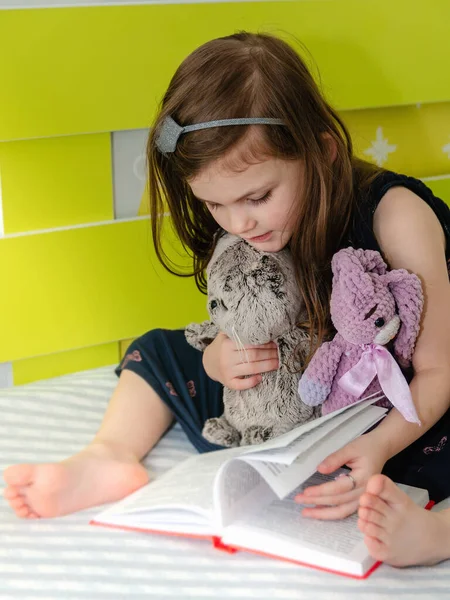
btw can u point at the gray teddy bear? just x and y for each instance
(253, 298)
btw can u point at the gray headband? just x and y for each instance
(170, 131)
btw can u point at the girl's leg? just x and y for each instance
(398, 531)
(107, 469)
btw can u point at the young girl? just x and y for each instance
(281, 173)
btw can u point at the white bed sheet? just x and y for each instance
(66, 558)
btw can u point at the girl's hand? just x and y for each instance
(340, 498)
(225, 363)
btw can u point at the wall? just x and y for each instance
(80, 85)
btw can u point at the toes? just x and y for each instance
(17, 503)
(11, 492)
(372, 530)
(19, 475)
(371, 516)
(374, 504)
(385, 488)
(375, 547)
(23, 512)
(366, 499)
(376, 484)
(19, 506)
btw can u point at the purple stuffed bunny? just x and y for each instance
(370, 306)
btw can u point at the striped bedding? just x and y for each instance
(68, 559)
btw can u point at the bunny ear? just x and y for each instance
(352, 286)
(407, 291)
(369, 261)
(352, 271)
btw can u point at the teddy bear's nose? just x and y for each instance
(379, 322)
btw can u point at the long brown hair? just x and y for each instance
(257, 75)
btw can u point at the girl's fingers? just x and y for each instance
(253, 368)
(340, 485)
(243, 384)
(242, 356)
(331, 500)
(268, 346)
(331, 513)
(337, 459)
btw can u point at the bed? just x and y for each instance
(68, 559)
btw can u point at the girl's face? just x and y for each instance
(258, 203)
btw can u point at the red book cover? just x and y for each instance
(231, 549)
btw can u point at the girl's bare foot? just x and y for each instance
(398, 531)
(98, 474)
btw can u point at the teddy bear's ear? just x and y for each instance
(407, 291)
(265, 271)
(200, 335)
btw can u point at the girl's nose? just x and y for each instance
(241, 222)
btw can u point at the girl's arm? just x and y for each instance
(410, 237)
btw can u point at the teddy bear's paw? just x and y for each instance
(256, 434)
(219, 431)
(312, 392)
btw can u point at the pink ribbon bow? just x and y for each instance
(376, 360)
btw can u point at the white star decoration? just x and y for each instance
(446, 149)
(139, 167)
(380, 148)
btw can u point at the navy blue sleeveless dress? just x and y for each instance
(175, 370)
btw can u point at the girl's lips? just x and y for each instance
(260, 238)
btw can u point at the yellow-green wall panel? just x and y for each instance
(411, 139)
(144, 207)
(123, 345)
(87, 69)
(440, 187)
(55, 182)
(72, 361)
(417, 137)
(82, 287)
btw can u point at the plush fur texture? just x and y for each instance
(369, 305)
(253, 298)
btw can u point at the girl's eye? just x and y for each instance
(261, 200)
(254, 201)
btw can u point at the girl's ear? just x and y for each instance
(332, 146)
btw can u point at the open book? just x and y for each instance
(243, 498)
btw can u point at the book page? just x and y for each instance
(238, 488)
(239, 485)
(289, 453)
(284, 478)
(188, 485)
(284, 517)
(279, 529)
(282, 441)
